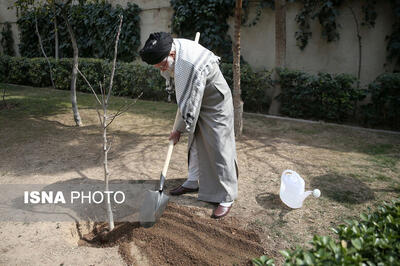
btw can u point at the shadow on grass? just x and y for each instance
(322, 136)
(271, 201)
(37, 145)
(343, 189)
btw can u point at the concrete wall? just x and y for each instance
(342, 56)
(156, 16)
(9, 15)
(258, 42)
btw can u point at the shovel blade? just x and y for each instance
(152, 208)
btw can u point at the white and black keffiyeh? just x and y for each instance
(191, 69)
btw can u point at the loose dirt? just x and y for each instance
(181, 237)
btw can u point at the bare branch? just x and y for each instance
(98, 113)
(110, 142)
(123, 109)
(88, 83)
(115, 56)
(44, 53)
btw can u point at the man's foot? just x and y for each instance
(221, 211)
(182, 190)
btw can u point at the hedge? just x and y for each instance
(95, 25)
(384, 109)
(323, 96)
(130, 78)
(374, 240)
(327, 97)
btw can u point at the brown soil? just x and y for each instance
(181, 238)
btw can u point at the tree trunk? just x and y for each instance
(106, 172)
(4, 97)
(55, 34)
(237, 101)
(77, 117)
(359, 45)
(280, 52)
(44, 53)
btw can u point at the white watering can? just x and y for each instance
(292, 190)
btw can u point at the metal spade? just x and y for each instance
(155, 201)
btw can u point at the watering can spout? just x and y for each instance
(306, 194)
(316, 193)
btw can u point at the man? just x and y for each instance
(206, 113)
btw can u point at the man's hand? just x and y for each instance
(175, 136)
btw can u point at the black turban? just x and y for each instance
(157, 47)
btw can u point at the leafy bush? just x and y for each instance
(7, 41)
(208, 17)
(4, 63)
(375, 240)
(254, 86)
(130, 78)
(384, 109)
(324, 96)
(94, 25)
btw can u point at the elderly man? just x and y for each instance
(206, 113)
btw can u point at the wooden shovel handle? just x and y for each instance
(170, 148)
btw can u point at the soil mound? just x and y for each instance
(180, 238)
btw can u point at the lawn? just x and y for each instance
(354, 168)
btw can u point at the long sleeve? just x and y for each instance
(179, 123)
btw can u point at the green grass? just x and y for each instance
(378, 149)
(38, 102)
(383, 155)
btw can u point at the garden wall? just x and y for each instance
(258, 42)
(9, 15)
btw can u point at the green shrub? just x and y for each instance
(263, 261)
(374, 240)
(323, 97)
(7, 41)
(130, 78)
(4, 67)
(254, 86)
(208, 17)
(94, 24)
(18, 71)
(38, 73)
(384, 109)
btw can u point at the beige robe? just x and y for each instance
(215, 140)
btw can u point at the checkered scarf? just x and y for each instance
(191, 68)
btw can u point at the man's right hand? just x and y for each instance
(175, 136)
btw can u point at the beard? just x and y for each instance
(169, 73)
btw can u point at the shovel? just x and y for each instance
(155, 201)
